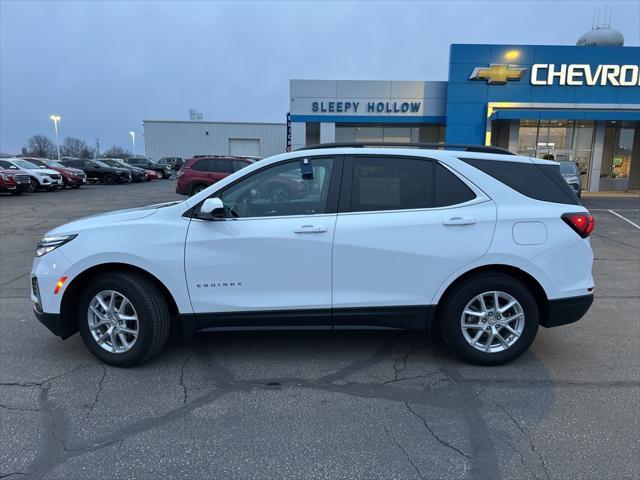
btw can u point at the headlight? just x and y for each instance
(48, 244)
(5, 177)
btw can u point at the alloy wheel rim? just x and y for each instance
(113, 321)
(492, 322)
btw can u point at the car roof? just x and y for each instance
(222, 157)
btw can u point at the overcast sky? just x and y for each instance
(106, 66)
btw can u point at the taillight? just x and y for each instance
(582, 223)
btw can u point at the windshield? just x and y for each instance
(112, 163)
(26, 164)
(567, 168)
(51, 163)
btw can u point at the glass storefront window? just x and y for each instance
(560, 139)
(345, 134)
(389, 133)
(618, 144)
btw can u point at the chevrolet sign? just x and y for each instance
(497, 73)
(583, 74)
(562, 74)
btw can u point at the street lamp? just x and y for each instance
(56, 119)
(133, 140)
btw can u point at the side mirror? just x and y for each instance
(211, 209)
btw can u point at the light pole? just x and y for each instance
(56, 119)
(133, 140)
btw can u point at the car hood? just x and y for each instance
(570, 178)
(108, 218)
(74, 171)
(48, 171)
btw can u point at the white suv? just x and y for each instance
(40, 177)
(486, 246)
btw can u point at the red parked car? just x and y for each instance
(200, 172)
(71, 177)
(12, 182)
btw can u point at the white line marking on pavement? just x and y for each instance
(618, 209)
(625, 219)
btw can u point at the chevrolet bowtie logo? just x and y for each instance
(497, 73)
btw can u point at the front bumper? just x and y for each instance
(53, 321)
(563, 311)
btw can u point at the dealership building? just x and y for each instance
(578, 103)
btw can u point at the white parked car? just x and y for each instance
(39, 177)
(487, 246)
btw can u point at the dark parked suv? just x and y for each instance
(147, 164)
(200, 172)
(137, 174)
(98, 171)
(175, 163)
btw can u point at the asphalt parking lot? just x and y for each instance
(318, 405)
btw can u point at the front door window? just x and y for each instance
(280, 190)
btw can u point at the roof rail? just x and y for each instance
(428, 146)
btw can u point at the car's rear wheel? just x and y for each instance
(490, 319)
(108, 179)
(123, 318)
(33, 185)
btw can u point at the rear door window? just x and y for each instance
(391, 183)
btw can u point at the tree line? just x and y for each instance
(43, 146)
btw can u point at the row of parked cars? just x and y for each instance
(30, 174)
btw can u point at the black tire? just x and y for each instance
(34, 186)
(151, 308)
(197, 188)
(163, 174)
(75, 186)
(108, 179)
(457, 300)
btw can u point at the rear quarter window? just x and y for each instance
(537, 181)
(449, 189)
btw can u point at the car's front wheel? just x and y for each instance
(490, 319)
(123, 318)
(33, 185)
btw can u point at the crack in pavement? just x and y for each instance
(185, 390)
(444, 443)
(404, 452)
(18, 409)
(527, 436)
(98, 392)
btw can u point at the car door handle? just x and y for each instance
(310, 229)
(456, 221)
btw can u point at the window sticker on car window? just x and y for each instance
(382, 191)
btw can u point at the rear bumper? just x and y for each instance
(566, 310)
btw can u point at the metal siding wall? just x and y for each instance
(185, 139)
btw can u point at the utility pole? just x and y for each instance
(97, 148)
